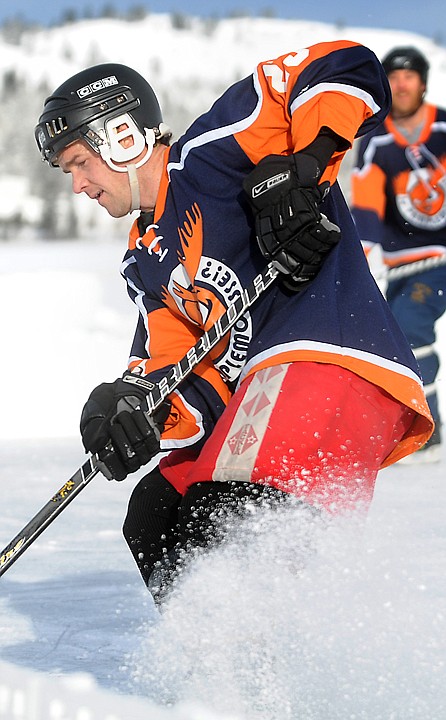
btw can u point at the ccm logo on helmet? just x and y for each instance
(97, 85)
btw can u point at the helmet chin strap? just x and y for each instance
(134, 187)
(130, 169)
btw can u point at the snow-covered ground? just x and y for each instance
(358, 634)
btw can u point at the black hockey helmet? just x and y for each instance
(406, 58)
(91, 106)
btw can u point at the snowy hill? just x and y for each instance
(201, 53)
(188, 66)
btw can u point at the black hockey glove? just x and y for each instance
(115, 426)
(291, 231)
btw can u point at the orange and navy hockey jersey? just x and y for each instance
(199, 251)
(399, 190)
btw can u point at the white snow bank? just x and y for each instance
(27, 695)
(66, 325)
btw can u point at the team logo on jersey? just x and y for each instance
(201, 288)
(151, 242)
(421, 193)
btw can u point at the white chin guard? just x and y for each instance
(114, 151)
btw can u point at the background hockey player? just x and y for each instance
(399, 202)
(316, 388)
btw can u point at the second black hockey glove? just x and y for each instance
(115, 426)
(284, 195)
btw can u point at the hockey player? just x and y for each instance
(316, 388)
(399, 203)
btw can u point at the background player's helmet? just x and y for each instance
(102, 105)
(406, 58)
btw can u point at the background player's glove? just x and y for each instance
(115, 425)
(291, 231)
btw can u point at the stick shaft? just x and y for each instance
(415, 267)
(47, 514)
(156, 396)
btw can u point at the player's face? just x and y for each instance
(407, 92)
(91, 175)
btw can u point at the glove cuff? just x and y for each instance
(307, 169)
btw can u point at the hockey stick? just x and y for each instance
(156, 395)
(415, 267)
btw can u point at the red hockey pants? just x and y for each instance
(314, 430)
